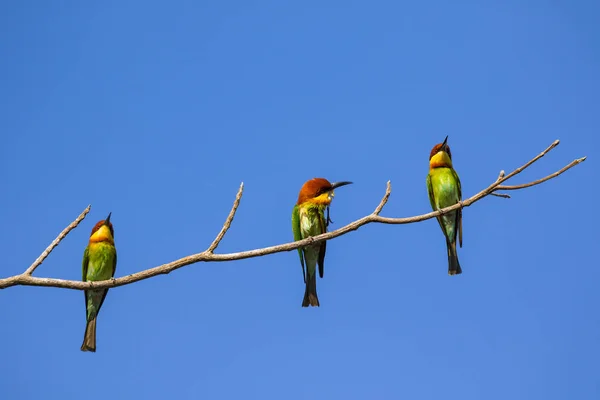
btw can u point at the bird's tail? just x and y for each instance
(453, 264)
(310, 293)
(89, 338)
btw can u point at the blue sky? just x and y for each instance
(158, 111)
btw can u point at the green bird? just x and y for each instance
(444, 190)
(99, 264)
(308, 219)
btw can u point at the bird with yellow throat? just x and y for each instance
(443, 187)
(99, 264)
(308, 219)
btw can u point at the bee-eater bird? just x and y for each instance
(99, 263)
(444, 190)
(308, 219)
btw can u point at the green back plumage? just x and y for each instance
(99, 263)
(444, 189)
(309, 220)
(298, 236)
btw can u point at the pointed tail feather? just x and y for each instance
(89, 338)
(310, 293)
(453, 264)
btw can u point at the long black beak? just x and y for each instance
(107, 220)
(336, 185)
(444, 143)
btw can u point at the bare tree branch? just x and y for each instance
(384, 200)
(228, 221)
(527, 164)
(56, 241)
(209, 256)
(544, 179)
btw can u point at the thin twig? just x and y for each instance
(228, 221)
(504, 196)
(527, 164)
(384, 200)
(544, 179)
(209, 256)
(56, 241)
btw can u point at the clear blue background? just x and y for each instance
(157, 112)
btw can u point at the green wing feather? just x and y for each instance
(114, 269)
(434, 206)
(459, 213)
(114, 264)
(430, 192)
(298, 236)
(84, 268)
(84, 265)
(323, 248)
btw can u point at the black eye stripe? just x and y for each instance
(323, 190)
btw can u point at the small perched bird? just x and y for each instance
(444, 190)
(99, 263)
(308, 219)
